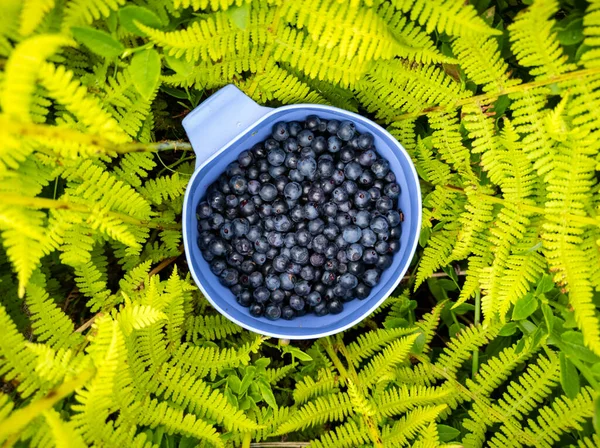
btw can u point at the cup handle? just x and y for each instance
(219, 119)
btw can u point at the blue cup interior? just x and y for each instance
(308, 326)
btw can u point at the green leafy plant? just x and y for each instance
(492, 339)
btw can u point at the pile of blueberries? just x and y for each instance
(304, 221)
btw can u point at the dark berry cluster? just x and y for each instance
(304, 221)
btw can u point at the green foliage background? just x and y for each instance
(492, 340)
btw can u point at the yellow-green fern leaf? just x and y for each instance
(535, 44)
(327, 382)
(453, 17)
(329, 408)
(591, 31)
(32, 14)
(369, 343)
(348, 435)
(209, 328)
(439, 247)
(398, 400)
(205, 4)
(64, 434)
(409, 426)
(82, 12)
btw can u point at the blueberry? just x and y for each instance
(247, 208)
(311, 211)
(384, 204)
(256, 279)
(272, 253)
(333, 126)
(291, 146)
(229, 277)
(233, 169)
(362, 199)
(356, 268)
(297, 213)
(305, 137)
(351, 187)
(287, 281)
(217, 266)
(277, 296)
(276, 157)
(331, 265)
(280, 263)
(307, 273)
(321, 309)
(308, 152)
(319, 144)
(216, 200)
(273, 312)
(393, 218)
(317, 260)
(244, 298)
(380, 168)
(280, 131)
(252, 172)
(341, 242)
(354, 252)
(340, 195)
(265, 210)
(352, 233)
(203, 210)
(390, 177)
(328, 278)
(353, 171)
(253, 187)
(370, 256)
(394, 246)
(313, 299)
(245, 158)
(334, 144)
(379, 224)
(335, 307)
(296, 303)
(365, 141)
(395, 232)
(362, 291)
(227, 231)
(371, 277)
(277, 171)
(302, 288)
(384, 262)
(287, 313)
(203, 225)
(270, 144)
(217, 247)
(366, 179)
(382, 247)
(303, 237)
(286, 252)
(392, 190)
(316, 194)
(346, 130)
(280, 207)
(256, 309)
(347, 154)
(319, 244)
(345, 206)
(316, 226)
(235, 260)
(240, 227)
(299, 254)
(268, 192)
(342, 256)
(207, 255)
(238, 184)
(367, 158)
(292, 190)
(330, 209)
(282, 223)
(374, 194)
(307, 166)
(362, 219)
(331, 231)
(259, 258)
(294, 128)
(338, 176)
(313, 122)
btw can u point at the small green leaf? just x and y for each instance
(572, 34)
(572, 345)
(99, 42)
(447, 433)
(595, 369)
(424, 236)
(145, 71)
(447, 285)
(508, 330)
(525, 307)
(240, 15)
(569, 377)
(296, 352)
(187, 442)
(179, 65)
(234, 383)
(262, 363)
(129, 14)
(246, 381)
(419, 344)
(436, 289)
(267, 394)
(544, 285)
(596, 419)
(463, 308)
(548, 317)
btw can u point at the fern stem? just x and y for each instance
(487, 97)
(246, 440)
(477, 318)
(586, 220)
(36, 202)
(20, 418)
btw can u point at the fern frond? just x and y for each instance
(447, 141)
(368, 343)
(398, 400)
(83, 12)
(32, 14)
(462, 345)
(481, 128)
(591, 31)
(452, 17)
(404, 131)
(201, 361)
(16, 362)
(53, 366)
(205, 4)
(22, 68)
(480, 58)
(563, 415)
(91, 279)
(433, 170)
(439, 247)
(329, 22)
(201, 399)
(442, 204)
(428, 324)
(589, 442)
(393, 87)
(535, 44)
(382, 363)
(164, 188)
(209, 328)
(275, 375)
(135, 317)
(61, 86)
(49, 323)
(407, 427)
(134, 166)
(348, 435)
(328, 408)
(327, 383)
(6, 406)
(64, 433)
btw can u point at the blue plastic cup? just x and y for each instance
(228, 123)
